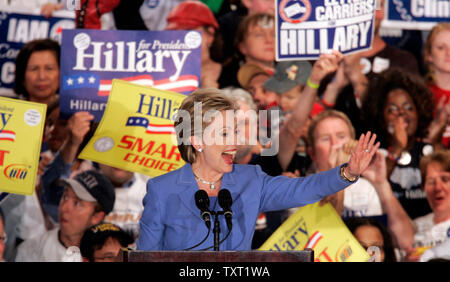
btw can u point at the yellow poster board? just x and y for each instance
(21, 129)
(319, 228)
(136, 132)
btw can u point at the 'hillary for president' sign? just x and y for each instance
(306, 29)
(91, 59)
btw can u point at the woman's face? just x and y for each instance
(399, 104)
(259, 45)
(329, 133)
(439, 55)
(219, 143)
(370, 236)
(41, 79)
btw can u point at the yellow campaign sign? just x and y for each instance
(136, 132)
(21, 129)
(320, 229)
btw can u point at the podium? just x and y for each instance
(306, 255)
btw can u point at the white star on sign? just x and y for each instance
(69, 81)
(80, 80)
(91, 79)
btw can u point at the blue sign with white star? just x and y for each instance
(81, 80)
(91, 59)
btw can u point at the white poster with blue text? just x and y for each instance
(416, 14)
(91, 59)
(19, 26)
(307, 28)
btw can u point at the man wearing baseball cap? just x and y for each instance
(86, 199)
(252, 77)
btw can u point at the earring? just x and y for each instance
(200, 150)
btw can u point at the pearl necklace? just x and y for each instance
(211, 184)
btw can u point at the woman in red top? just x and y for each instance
(437, 59)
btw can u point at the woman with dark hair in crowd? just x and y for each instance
(37, 71)
(372, 234)
(398, 107)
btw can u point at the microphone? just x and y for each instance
(225, 201)
(202, 202)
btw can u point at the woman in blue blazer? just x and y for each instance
(171, 219)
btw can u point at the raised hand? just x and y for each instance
(362, 155)
(79, 125)
(326, 64)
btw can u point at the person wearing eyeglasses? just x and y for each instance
(102, 242)
(398, 107)
(432, 236)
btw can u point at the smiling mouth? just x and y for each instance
(229, 156)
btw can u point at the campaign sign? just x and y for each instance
(16, 29)
(137, 130)
(21, 129)
(416, 14)
(318, 228)
(305, 29)
(91, 59)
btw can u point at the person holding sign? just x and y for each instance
(173, 208)
(352, 79)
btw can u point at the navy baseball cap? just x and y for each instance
(288, 74)
(92, 186)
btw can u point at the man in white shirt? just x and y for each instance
(86, 199)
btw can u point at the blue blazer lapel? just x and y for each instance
(189, 186)
(229, 182)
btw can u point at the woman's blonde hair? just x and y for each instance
(324, 115)
(211, 99)
(429, 44)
